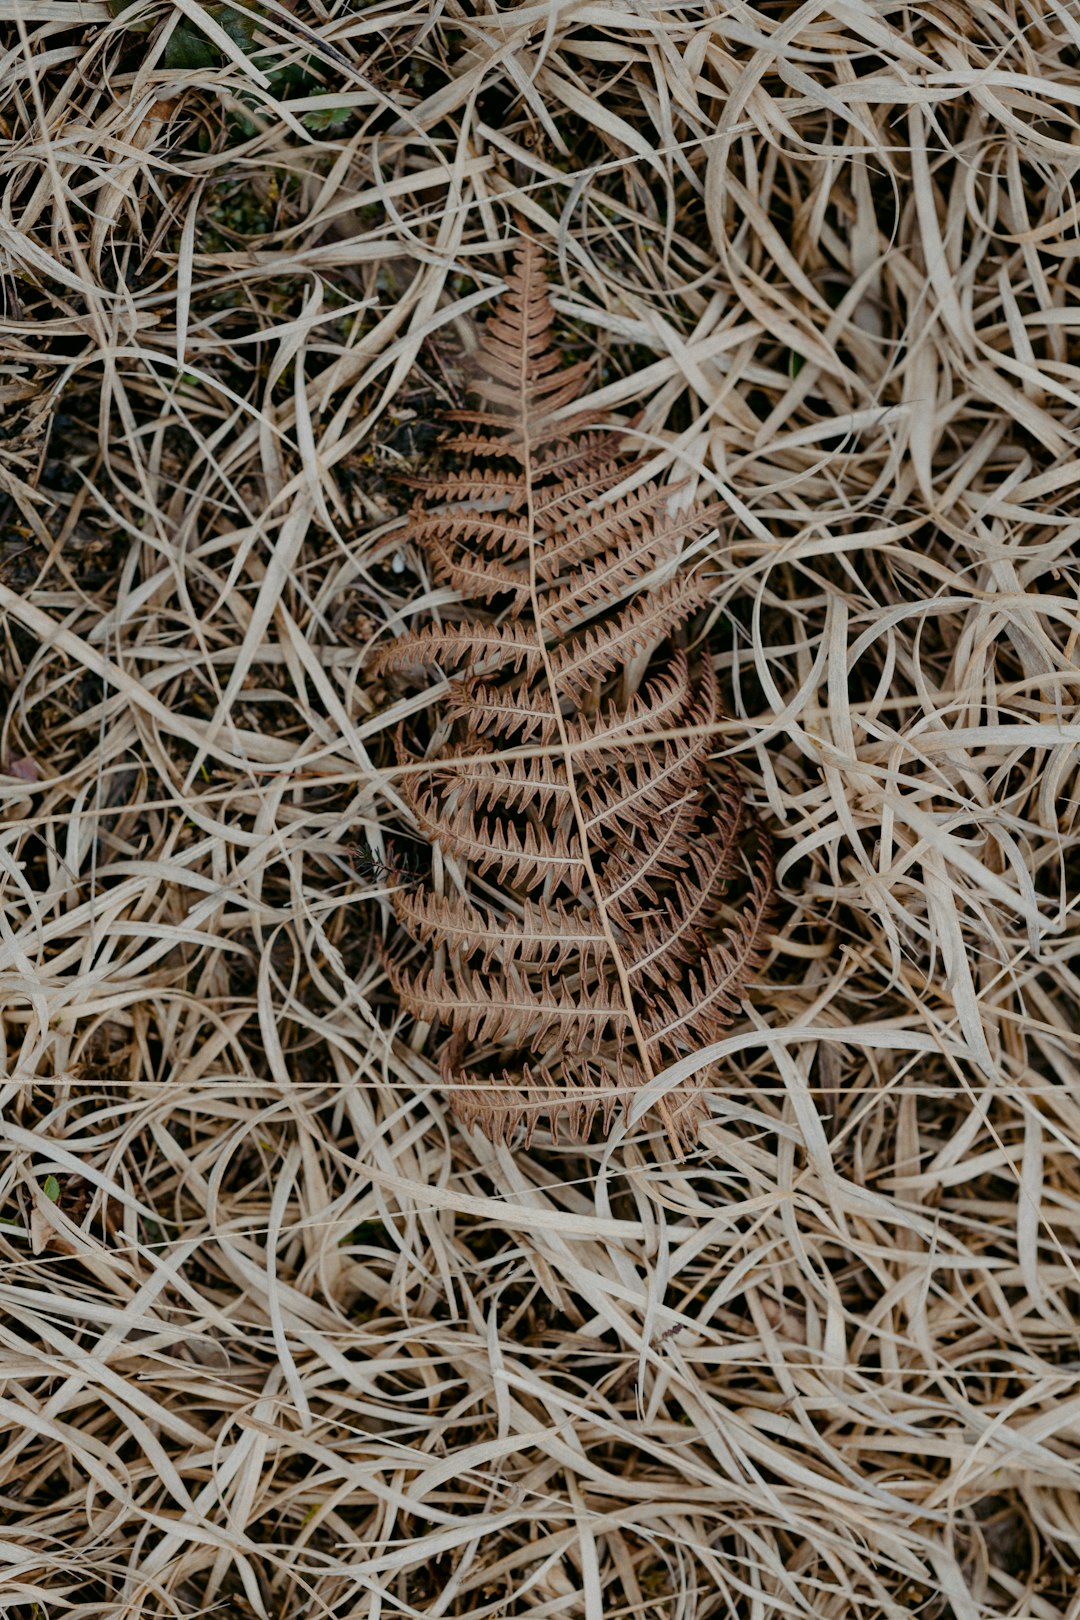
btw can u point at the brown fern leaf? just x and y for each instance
(602, 893)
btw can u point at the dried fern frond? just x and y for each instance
(585, 939)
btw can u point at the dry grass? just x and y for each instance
(279, 1340)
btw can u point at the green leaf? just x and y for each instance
(51, 1189)
(188, 47)
(240, 27)
(294, 75)
(327, 118)
(795, 363)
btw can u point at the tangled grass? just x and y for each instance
(278, 1339)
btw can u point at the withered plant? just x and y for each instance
(274, 1341)
(578, 936)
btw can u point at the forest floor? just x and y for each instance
(278, 1337)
